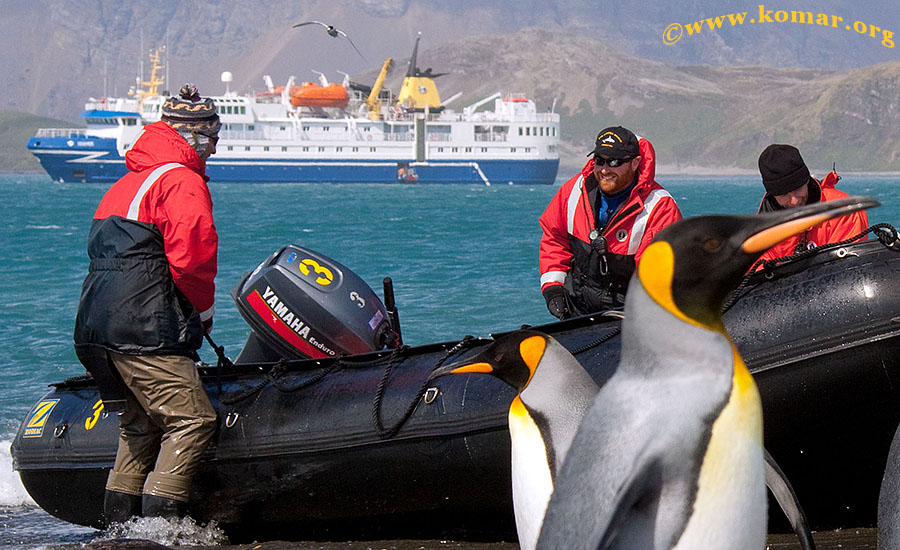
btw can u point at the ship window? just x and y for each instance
(372, 149)
(326, 128)
(230, 148)
(338, 149)
(484, 149)
(542, 130)
(243, 110)
(228, 110)
(321, 149)
(520, 131)
(306, 128)
(468, 149)
(534, 131)
(249, 126)
(528, 149)
(283, 128)
(266, 148)
(512, 149)
(527, 131)
(247, 148)
(455, 150)
(355, 149)
(306, 149)
(284, 149)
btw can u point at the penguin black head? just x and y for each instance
(692, 266)
(512, 358)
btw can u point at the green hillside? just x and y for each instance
(15, 129)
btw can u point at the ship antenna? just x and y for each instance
(412, 70)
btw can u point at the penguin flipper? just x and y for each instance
(634, 510)
(781, 488)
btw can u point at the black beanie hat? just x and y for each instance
(782, 169)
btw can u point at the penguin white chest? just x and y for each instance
(532, 483)
(730, 506)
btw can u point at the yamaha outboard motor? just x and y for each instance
(301, 304)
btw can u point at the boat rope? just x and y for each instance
(885, 232)
(605, 338)
(276, 376)
(387, 433)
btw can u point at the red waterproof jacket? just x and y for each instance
(830, 231)
(178, 204)
(569, 218)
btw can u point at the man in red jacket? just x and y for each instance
(598, 224)
(145, 304)
(788, 185)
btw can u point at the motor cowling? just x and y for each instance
(301, 304)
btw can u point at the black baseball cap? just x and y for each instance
(616, 142)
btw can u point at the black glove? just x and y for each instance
(555, 295)
(207, 326)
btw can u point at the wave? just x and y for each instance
(12, 492)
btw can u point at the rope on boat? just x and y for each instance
(275, 376)
(885, 232)
(605, 338)
(387, 433)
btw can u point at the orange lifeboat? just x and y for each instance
(310, 94)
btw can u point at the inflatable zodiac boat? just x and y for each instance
(327, 430)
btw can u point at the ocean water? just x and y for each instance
(463, 260)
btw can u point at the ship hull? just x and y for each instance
(96, 160)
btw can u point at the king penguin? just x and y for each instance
(889, 499)
(554, 392)
(670, 452)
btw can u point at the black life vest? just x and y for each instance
(129, 302)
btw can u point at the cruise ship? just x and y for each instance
(326, 132)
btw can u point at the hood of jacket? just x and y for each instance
(159, 144)
(646, 169)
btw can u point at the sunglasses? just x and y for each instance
(612, 163)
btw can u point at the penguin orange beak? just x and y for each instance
(778, 226)
(473, 367)
(461, 368)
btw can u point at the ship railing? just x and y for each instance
(435, 136)
(491, 137)
(61, 132)
(400, 136)
(242, 134)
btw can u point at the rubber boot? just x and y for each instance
(154, 506)
(120, 507)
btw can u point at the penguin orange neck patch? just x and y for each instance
(656, 271)
(532, 349)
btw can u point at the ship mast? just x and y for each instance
(156, 79)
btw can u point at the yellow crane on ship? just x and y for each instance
(156, 79)
(372, 103)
